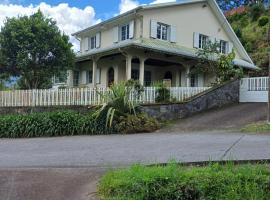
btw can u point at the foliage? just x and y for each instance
(263, 20)
(34, 49)
(117, 102)
(257, 128)
(136, 124)
(162, 93)
(230, 4)
(220, 65)
(255, 38)
(256, 11)
(175, 182)
(61, 123)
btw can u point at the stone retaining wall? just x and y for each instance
(216, 97)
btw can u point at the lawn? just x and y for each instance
(257, 128)
(174, 182)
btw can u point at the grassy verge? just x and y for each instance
(175, 182)
(257, 128)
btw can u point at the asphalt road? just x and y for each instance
(122, 150)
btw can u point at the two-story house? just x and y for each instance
(152, 43)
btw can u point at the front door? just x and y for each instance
(110, 76)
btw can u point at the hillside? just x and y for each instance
(253, 29)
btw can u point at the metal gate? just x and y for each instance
(254, 89)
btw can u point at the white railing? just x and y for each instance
(254, 89)
(84, 96)
(255, 84)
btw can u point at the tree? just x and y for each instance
(33, 49)
(211, 61)
(230, 4)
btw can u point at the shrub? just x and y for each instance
(256, 11)
(65, 123)
(186, 183)
(162, 93)
(136, 124)
(263, 20)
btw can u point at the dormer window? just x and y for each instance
(162, 31)
(124, 32)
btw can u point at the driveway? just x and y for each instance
(232, 117)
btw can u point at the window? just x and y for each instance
(202, 41)
(92, 44)
(76, 78)
(147, 78)
(125, 32)
(194, 80)
(89, 77)
(135, 74)
(162, 31)
(223, 47)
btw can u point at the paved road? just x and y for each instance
(226, 118)
(121, 150)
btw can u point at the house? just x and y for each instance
(153, 43)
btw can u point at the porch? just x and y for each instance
(148, 67)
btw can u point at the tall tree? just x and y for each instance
(34, 50)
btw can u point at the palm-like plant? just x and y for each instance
(117, 102)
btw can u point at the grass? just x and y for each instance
(172, 182)
(257, 128)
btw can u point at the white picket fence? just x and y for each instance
(254, 89)
(84, 96)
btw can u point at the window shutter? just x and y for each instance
(98, 40)
(115, 34)
(218, 44)
(229, 47)
(86, 43)
(153, 31)
(196, 38)
(98, 74)
(131, 29)
(173, 34)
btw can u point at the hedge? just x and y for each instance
(70, 123)
(187, 183)
(62, 123)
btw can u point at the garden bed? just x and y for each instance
(174, 182)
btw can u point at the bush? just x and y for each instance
(136, 124)
(64, 123)
(256, 11)
(162, 93)
(263, 20)
(186, 183)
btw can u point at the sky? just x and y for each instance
(71, 15)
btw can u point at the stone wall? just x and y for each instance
(222, 95)
(27, 110)
(216, 97)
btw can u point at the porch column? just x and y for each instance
(94, 78)
(188, 76)
(177, 77)
(128, 67)
(70, 78)
(83, 77)
(142, 60)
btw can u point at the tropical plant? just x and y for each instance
(118, 101)
(162, 93)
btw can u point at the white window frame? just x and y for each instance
(223, 47)
(203, 40)
(89, 76)
(124, 34)
(163, 31)
(92, 43)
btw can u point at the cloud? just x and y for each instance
(162, 1)
(69, 19)
(127, 5)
